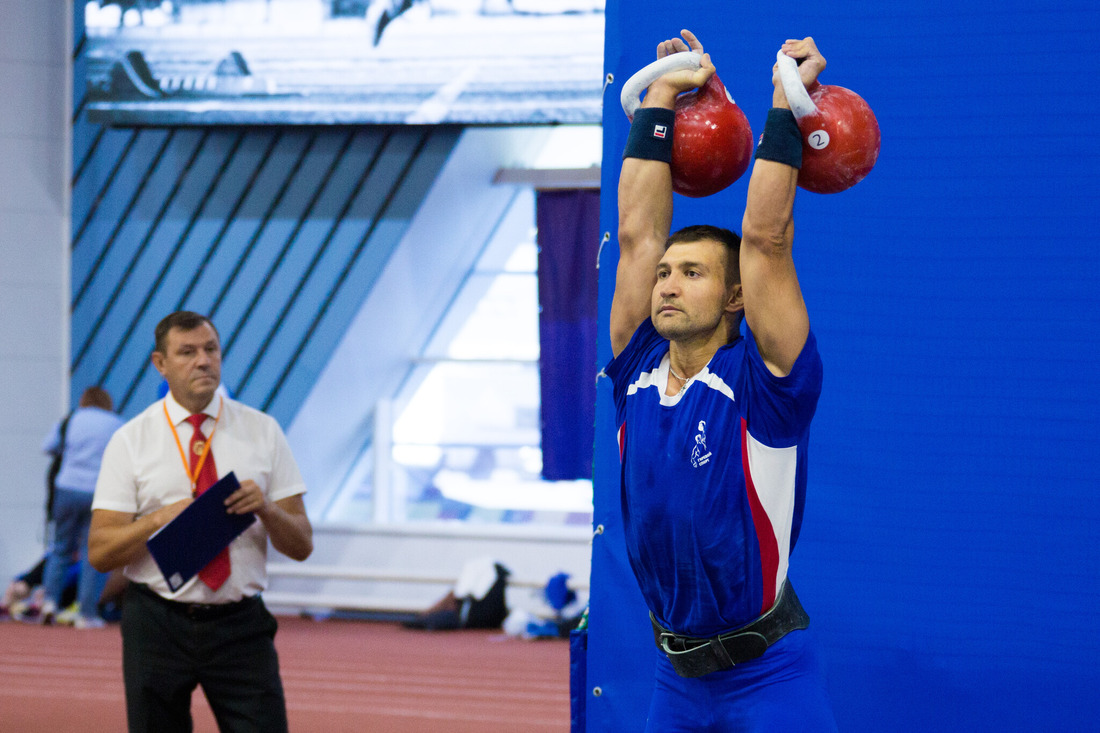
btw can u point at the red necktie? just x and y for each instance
(217, 571)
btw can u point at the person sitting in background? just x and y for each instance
(25, 594)
(89, 429)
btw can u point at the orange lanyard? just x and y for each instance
(205, 450)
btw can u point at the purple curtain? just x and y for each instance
(568, 239)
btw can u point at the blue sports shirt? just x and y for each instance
(713, 478)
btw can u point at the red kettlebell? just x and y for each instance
(712, 141)
(840, 135)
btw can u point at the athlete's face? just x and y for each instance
(691, 297)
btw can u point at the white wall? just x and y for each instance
(35, 49)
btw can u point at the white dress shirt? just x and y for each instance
(143, 471)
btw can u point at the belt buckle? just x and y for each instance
(664, 638)
(196, 610)
(673, 643)
(695, 657)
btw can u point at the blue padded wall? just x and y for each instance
(948, 556)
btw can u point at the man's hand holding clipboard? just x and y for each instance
(189, 542)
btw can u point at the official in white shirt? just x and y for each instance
(219, 637)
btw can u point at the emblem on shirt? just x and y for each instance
(700, 456)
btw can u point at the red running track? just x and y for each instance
(339, 676)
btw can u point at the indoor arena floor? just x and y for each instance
(338, 675)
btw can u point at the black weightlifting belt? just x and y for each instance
(695, 657)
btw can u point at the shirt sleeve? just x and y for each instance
(286, 478)
(778, 410)
(628, 363)
(116, 487)
(52, 444)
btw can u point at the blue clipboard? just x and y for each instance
(189, 542)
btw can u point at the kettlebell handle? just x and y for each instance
(797, 96)
(631, 96)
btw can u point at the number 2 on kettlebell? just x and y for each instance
(818, 139)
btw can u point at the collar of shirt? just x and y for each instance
(177, 413)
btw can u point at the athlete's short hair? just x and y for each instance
(729, 239)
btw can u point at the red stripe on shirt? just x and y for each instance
(765, 534)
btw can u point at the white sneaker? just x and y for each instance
(48, 613)
(69, 616)
(89, 622)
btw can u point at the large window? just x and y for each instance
(449, 406)
(461, 439)
(466, 442)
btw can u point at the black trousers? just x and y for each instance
(169, 648)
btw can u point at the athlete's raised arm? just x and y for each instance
(645, 192)
(774, 308)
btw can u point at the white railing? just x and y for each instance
(392, 569)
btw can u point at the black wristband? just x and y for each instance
(651, 134)
(782, 140)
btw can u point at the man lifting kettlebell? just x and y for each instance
(716, 378)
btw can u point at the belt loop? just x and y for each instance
(720, 651)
